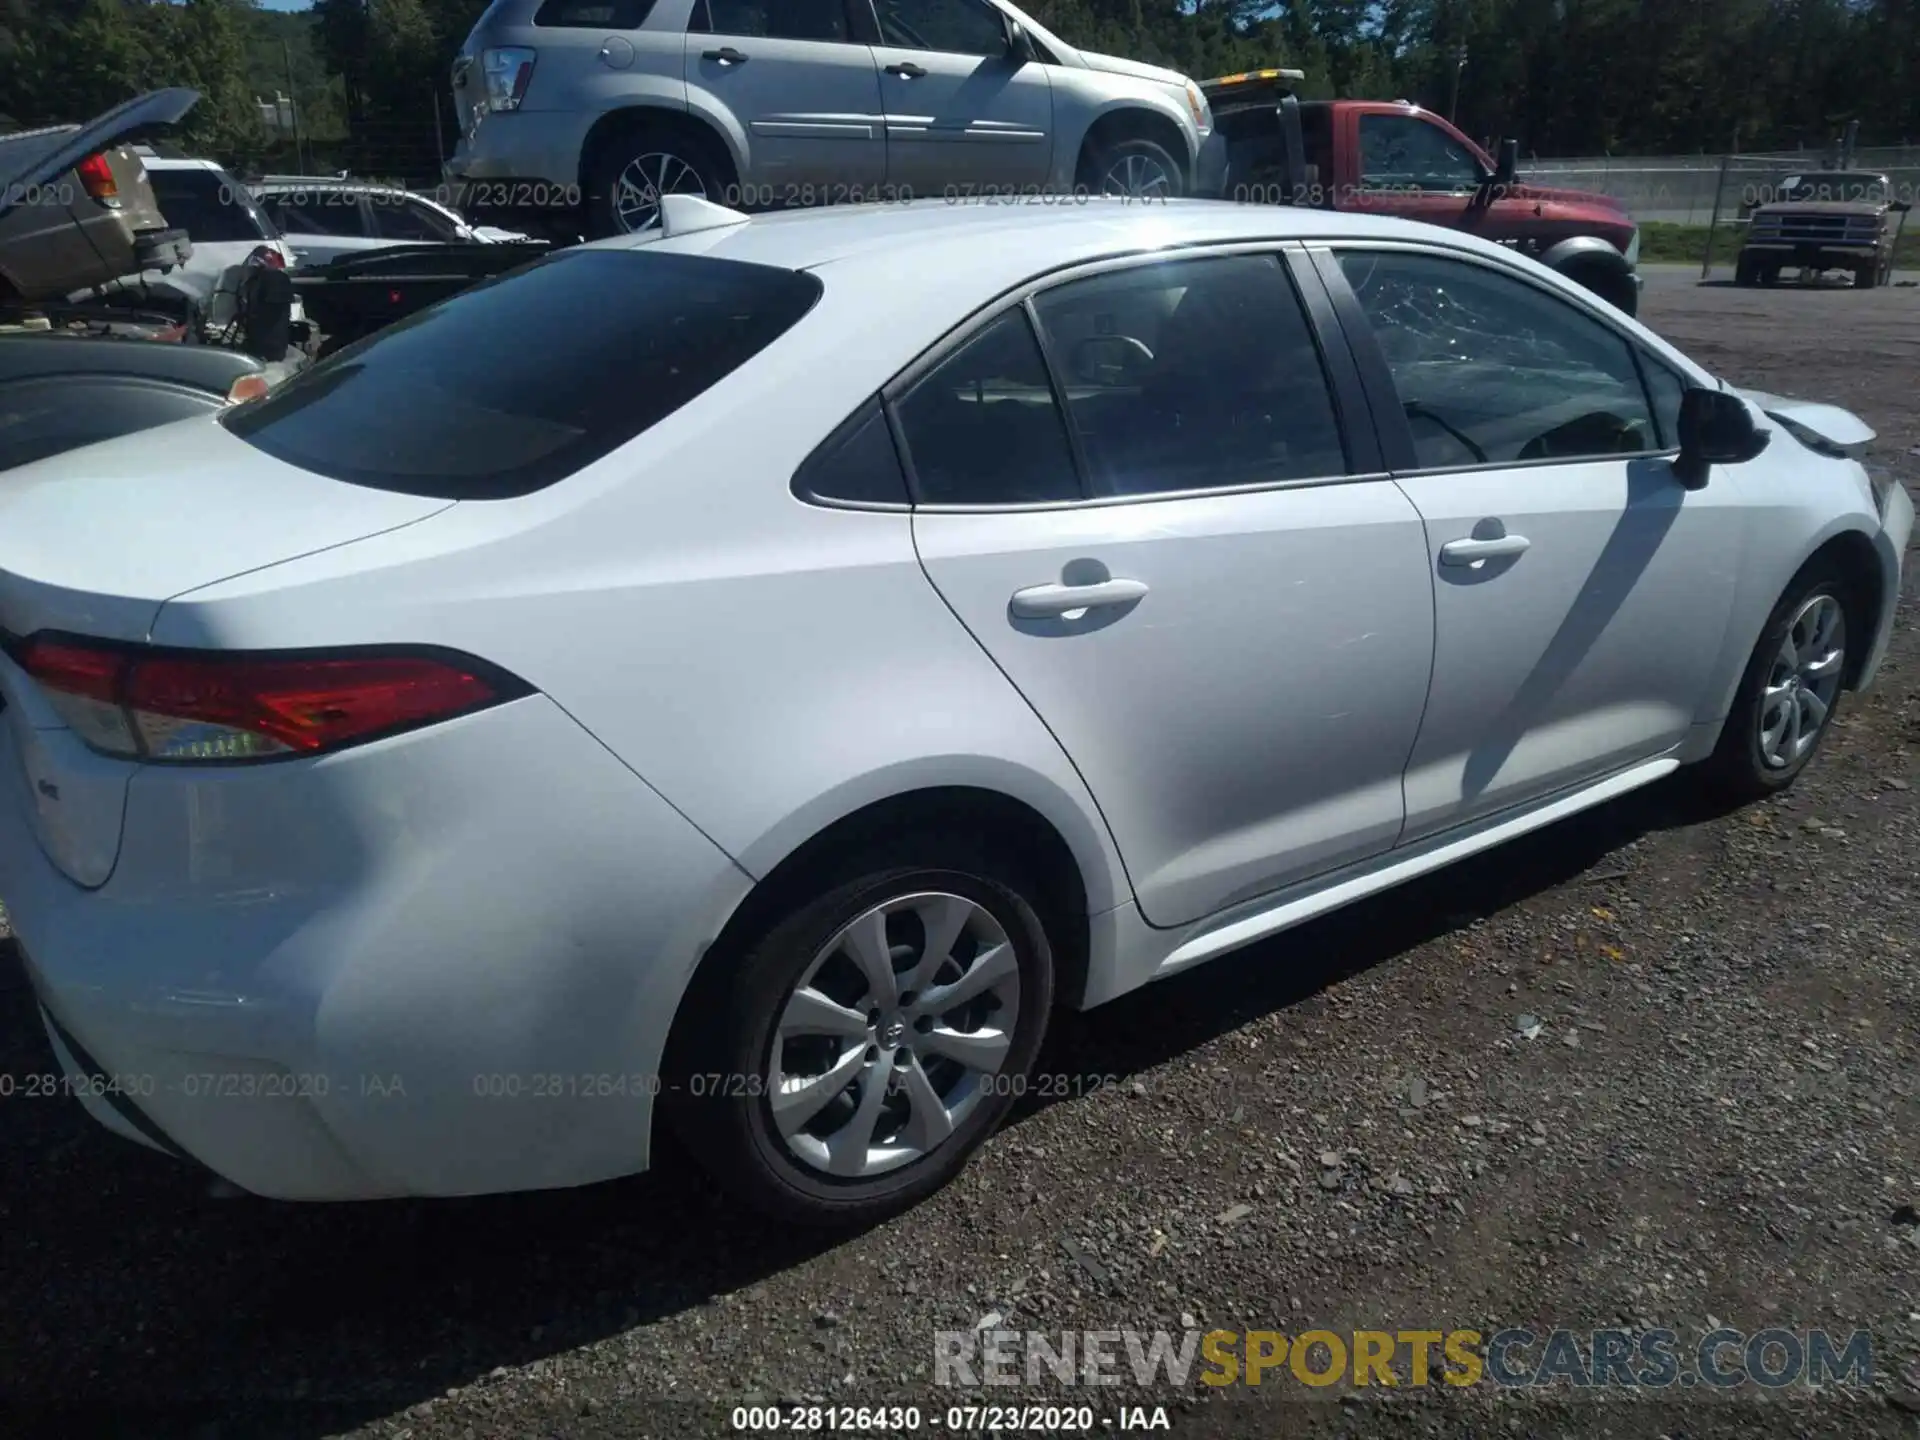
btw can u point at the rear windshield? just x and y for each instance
(211, 206)
(521, 381)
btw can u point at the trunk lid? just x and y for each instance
(34, 157)
(95, 541)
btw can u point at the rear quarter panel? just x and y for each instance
(768, 666)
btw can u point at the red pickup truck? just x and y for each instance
(1394, 158)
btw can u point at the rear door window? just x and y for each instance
(1192, 375)
(316, 213)
(519, 382)
(404, 219)
(983, 426)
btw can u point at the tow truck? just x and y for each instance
(1396, 158)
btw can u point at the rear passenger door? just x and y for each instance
(805, 90)
(1139, 492)
(319, 225)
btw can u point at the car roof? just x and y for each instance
(985, 247)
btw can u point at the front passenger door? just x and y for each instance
(1580, 591)
(962, 113)
(1410, 167)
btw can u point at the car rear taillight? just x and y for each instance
(96, 178)
(268, 256)
(507, 70)
(203, 706)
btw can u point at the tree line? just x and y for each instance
(1564, 77)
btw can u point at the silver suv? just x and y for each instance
(580, 114)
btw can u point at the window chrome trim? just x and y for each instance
(1214, 492)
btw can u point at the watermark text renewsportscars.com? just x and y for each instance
(1512, 1358)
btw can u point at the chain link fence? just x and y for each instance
(1691, 189)
(1715, 192)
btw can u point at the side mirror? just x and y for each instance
(1901, 207)
(1716, 428)
(1019, 43)
(1509, 165)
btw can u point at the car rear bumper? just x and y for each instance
(1825, 256)
(439, 964)
(524, 148)
(161, 249)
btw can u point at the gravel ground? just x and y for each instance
(1716, 1122)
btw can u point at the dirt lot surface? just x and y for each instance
(1717, 1122)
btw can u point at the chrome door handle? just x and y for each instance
(907, 69)
(726, 55)
(1041, 602)
(1470, 552)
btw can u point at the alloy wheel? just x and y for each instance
(1803, 682)
(893, 1034)
(641, 183)
(1138, 176)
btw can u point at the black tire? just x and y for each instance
(1867, 276)
(1135, 154)
(1737, 771)
(695, 164)
(1770, 275)
(1745, 272)
(728, 1124)
(1616, 287)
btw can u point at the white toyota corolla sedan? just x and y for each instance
(749, 678)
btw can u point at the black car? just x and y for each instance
(58, 392)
